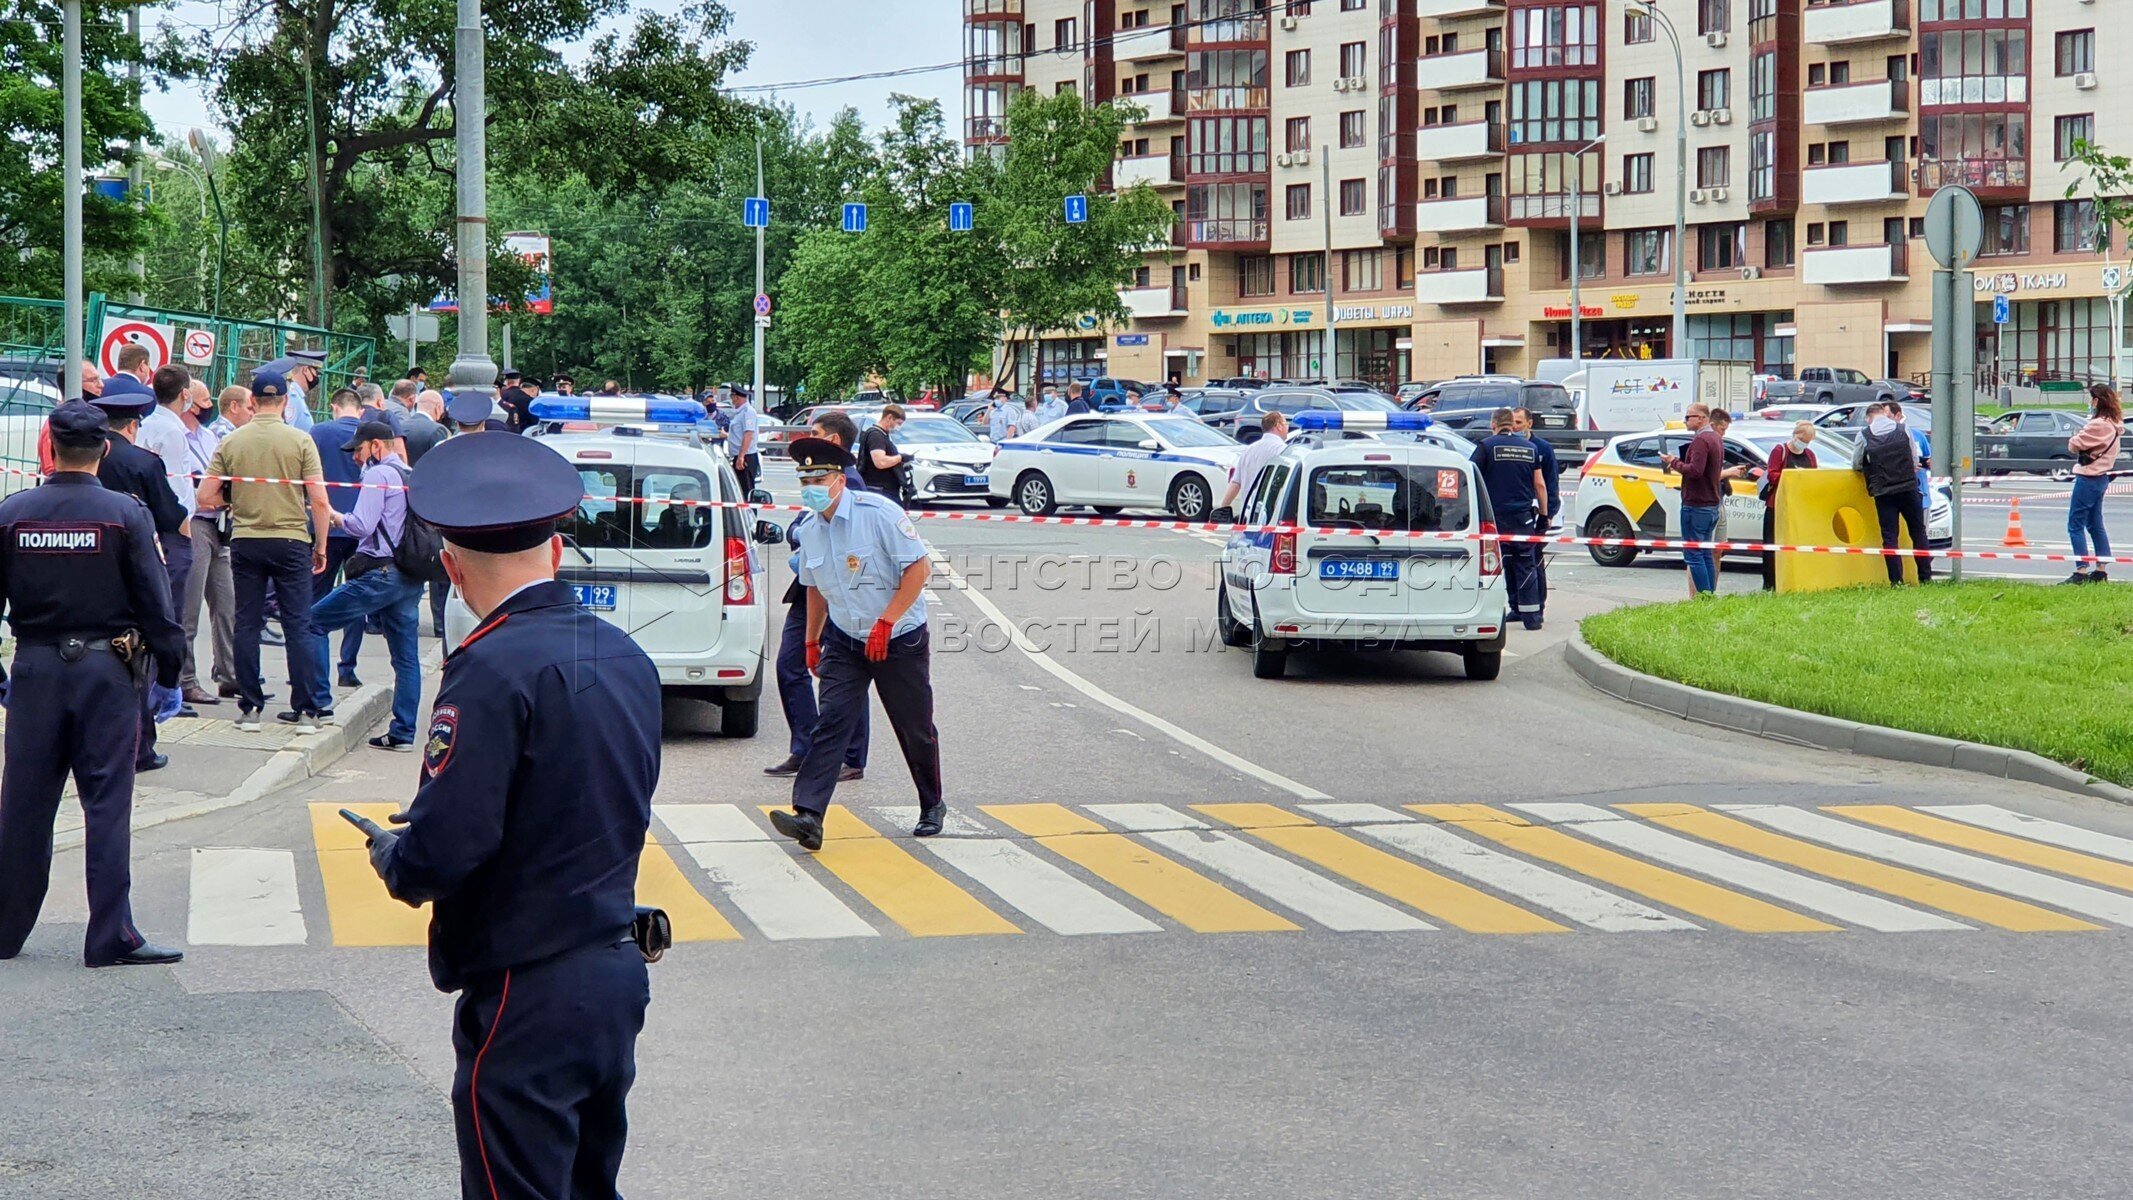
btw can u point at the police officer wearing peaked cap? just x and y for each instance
(87, 597)
(474, 412)
(1510, 468)
(535, 794)
(865, 570)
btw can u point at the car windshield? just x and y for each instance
(1544, 395)
(932, 431)
(1182, 431)
(1386, 496)
(1480, 395)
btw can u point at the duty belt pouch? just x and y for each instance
(132, 650)
(652, 932)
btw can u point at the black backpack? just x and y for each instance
(416, 553)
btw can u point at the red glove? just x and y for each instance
(814, 656)
(878, 641)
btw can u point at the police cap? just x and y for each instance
(78, 425)
(125, 398)
(510, 375)
(494, 495)
(812, 454)
(469, 409)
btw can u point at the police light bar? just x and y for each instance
(1318, 418)
(619, 410)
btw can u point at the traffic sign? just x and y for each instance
(755, 212)
(855, 218)
(962, 217)
(762, 305)
(199, 347)
(1999, 310)
(120, 332)
(1077, 210)
(1955, 227)
(2114, 279)
(762, 322)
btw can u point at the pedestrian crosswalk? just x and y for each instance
(1006, 870)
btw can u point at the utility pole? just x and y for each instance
(1679, 342)
(1577, 258)
(136, 266)
(472, 368)
(760, 330)
(70, 188)
(1325, 187)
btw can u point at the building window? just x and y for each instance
(1227, 146)
(1063, 34)
(2075, 228)
(1713, 16)
(1714, 167)
(1255, 275)
(1637, 173)
(1296, 134)
(1353, 200)
(1066, 87)
(1352, 5)
(1721, 247)
(2006, 230)
(1297, 68)
(2069, 134)
(1762, 86)
(1403, 267)
(1592, 255)
(1777, 243)
(1307, 273)
(1554, 110)
(1362, 270)
(1556, 35)
(1973, 66)
(1639, 97)
(1299, 202)
(1762, 165)
(1225, 79)
(1644, 251)
(1351, 129)
(1355, 60)
(1714, 89)
(1988, 149)
(1840, 233)
(1636, 27)
(2076, 52)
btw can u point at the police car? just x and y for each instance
(1115, 461)
(947, 460)
(682, 579)
(1344, 577)
(1626, 492)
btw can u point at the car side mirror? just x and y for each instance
(1150, 444)
(761, 496)
(767, 533)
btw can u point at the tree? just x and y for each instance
(2109, 179)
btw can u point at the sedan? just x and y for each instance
(948, 461)
(1112, 462)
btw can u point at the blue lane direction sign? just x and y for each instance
(962, 217)
(855, 218)
(1077, 210)
(1999, 310)
(755, 212)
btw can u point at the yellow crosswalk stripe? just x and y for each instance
(1690, 895)
(1449, 900)
(661, 884)
(1985, 841)
(907, 891)
(1176, 891)
(1932, 891)
(357, 905)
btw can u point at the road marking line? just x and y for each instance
(358, 908)
(763, 880)
(1177, 891)
(1572, 898)
(1145, 818)
(1692, 896)
(1093, 692)
(2001, 877)
(661, 884)
(1355, 814)
(1843, 904)
(243, 896)
(1986, 908)
(2073, 837)
(1285, 883)
(1985, 841)
(1041, 891)
(1448, 900)
(960, 822)
(907, 891)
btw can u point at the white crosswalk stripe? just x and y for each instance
(243, 896)
(1581, 902)
(1143, 818)
(1041, 891)
(2036, 829)
(1355, 814)
(762, 878)
(1284, 882)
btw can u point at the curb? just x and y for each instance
(1829, 733)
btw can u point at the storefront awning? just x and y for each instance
(1907, 326)
(1182, 351)
(1504, 341)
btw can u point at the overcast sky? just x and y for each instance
(794, 40)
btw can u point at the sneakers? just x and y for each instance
(248, 720)
(386, 741)
(305, 722)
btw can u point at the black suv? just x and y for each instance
(1242, 422)
(1467, 404)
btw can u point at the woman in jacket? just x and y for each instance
(2095, 450)
(1795, 453)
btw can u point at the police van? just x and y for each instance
(1338, 572)
(681, 578)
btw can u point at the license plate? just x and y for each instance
(1359, 568)
(599, 597)
(1557, 422)
(977, 481)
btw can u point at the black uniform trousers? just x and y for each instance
(1909, 508)
(1522, 565)
(547, 1054)
(748, 469)
(66, 717)
(904, 680)
(796, 692)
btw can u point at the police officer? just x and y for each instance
(525, 832)
(742, 437)
(84, 590)
(796, 677)
(865, 571)
(139, 473)
(1002, 417)
(1510, 469)
(1552, 471)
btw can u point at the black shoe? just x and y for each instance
(386, 741)
(786, 769)
(348, 680)
(147, 954)
(2076, 577)
(153, 763)
(1533, 622)
(438, 633)
(187, 710)
(305, 722)
(800, 825)
(929, 820)
(229, 691)
(2097, 576)
(850, 774)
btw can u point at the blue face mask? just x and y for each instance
(816, 497)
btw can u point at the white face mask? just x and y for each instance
(1796, 446)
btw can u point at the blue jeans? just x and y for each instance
(2084, 519)
(1698, 523)
(384, 591)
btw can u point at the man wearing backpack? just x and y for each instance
(384, 577)
(1888, 457)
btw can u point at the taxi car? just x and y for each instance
(681, 579)
(1343, 577)
(1115, 461)
(1625, 492)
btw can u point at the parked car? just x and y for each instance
(2029, 439)
(1113, 462)
(1405, 395)
(1467, 403)
(1243, 422)
(1210, 402)
(1842, 385)
(1243, 383)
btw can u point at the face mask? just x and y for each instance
(815, 497)
(1797, 446)
(1881, 426)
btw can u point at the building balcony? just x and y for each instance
(1225, 99)
(1459, 214)
(1478, 285)
(1155, 170)
(1552, 209)
(1838, 266)
(979, 10)
(1151, 43)
(1161, 106)
(985, 129)
(1464, 142)
(1856, 103)
(1152, 303)
(1875, 182)
(1445, 10)
(1231, 31)
(1857, 21)
(1979, 174)
(1227, 232)
(1465, 69)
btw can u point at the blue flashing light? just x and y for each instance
(619, 410)
(1322, 419)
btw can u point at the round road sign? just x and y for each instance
(762, 305)
(119, 334)
(1955, 227)
(199, 347)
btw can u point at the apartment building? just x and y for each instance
(1457, 140)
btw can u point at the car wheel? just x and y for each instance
(1270, 657)
(1234, 633)
(1607, 523)
(1034, 493)
(1108, 510)
(738, 718)
(1191, 499)
(2062, 468)
(1483, 665)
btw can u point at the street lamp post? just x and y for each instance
(70, 194)
(1577, 259)
(205, 150)
(472, 368)
(199, 180)
(1680, 339)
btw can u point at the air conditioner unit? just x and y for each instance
(1698, 196)
(1718, 195)
(1721, 116)
(1716, 41)
(1647, 124)
(2086, 81)
(1283, 160)
(1303, 158)
(1357, 83)
(1751, 272)
(1340, 85)
(1699, 118)
(1288, 22)
(1612, 187)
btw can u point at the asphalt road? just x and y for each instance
(1593, 1015)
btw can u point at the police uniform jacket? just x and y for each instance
(1506, 462)
(856, 558)
(796, 592)
(537, 773)
(79, 560)
(140, 474)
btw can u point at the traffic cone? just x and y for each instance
(2014, 536)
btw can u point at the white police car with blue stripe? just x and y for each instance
(1116, 461)
(1324, 560)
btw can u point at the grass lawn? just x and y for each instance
(2027, 666)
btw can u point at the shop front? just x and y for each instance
(1725, 321)
(1367, 343)
(1286, 342)
(2058, 325)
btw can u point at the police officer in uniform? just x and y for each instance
(142, 474)
(865, 570)
(88, 599)
(1510, 469)
(1552, 472)
(525, 831)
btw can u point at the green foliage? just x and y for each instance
(2109, 184)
